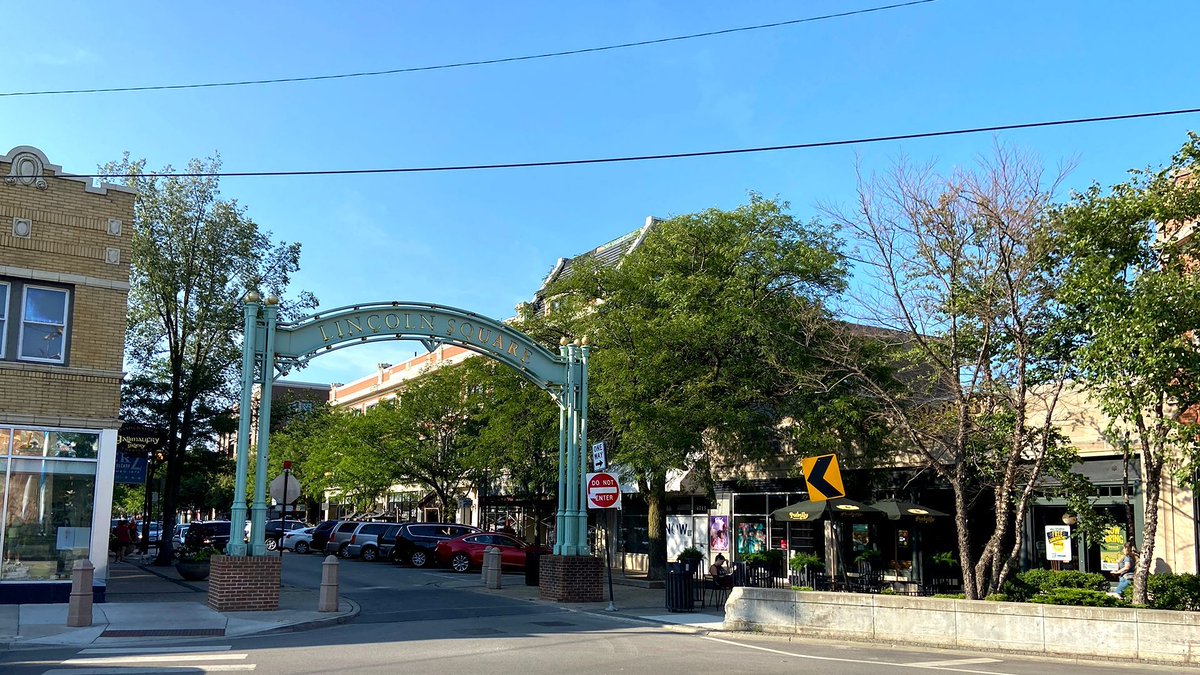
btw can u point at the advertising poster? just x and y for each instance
(718, 533)
(679, 535)
(751, 537)
(1058, 543)
(1112, 548)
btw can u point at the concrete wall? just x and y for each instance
(1095, 632)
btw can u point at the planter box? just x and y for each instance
(192, 571)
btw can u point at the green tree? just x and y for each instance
(689, 331)
(194, 256)
(1130, 283)
(956, 273)
(518, 437)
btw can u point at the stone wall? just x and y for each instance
(571, 578)
(244, 583)
(1089, 632)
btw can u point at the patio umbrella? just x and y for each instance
(833, 508)
(897, 509)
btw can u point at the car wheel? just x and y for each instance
(461, 562)
(370, 553)
(301, 547)
(272, 544)
(344, 553)
(419, 558)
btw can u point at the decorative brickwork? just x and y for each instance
(571, 578)
(243, 583)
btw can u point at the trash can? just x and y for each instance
(679, 589)
(533, 560)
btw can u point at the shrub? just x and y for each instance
(804, 561)
(1173, 591)
(945, 559)
(690, 553)
(888, 591)
(195, 554)
(1083, 597)
(772, 559)
(951, 596)
(1025, 586)
(997, 597)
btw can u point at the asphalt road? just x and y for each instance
(414, 621)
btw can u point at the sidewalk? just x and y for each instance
(148, 603)
(632, 601)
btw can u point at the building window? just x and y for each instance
(46, 514)
(43, 324)
(3, 315)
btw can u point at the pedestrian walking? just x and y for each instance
(124, 539)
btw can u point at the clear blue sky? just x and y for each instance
(485, 240)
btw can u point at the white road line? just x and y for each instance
(155, 650)
(156, 658)
(840, 660)
(202, 668)
(953, 662)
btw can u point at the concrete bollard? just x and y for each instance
(79, 610)
(487, 561)
(329, 585)
(491, 563)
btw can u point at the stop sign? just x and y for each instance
(603, 491)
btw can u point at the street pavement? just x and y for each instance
(435, 621)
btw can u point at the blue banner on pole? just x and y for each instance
(130, 469)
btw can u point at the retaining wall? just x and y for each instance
(1097, 632)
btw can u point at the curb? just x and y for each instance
(337, 620)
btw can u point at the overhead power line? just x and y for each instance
(673, 155)
(467, 64)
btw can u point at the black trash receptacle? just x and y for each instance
(679, 589)
(533, 560)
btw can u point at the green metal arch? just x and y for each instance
(427, 323)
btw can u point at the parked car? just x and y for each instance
(275, 531)
(177, 537)
(465, 553)
(213, 533)
(340, 536)
(155, 533)
(361, 540)
(414, 543)
(299, 541)
(320, 535)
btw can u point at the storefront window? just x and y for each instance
(46, 523)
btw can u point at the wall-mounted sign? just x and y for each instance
(130, 469)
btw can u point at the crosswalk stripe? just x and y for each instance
(198, 668)
(155, 650)
(153, 658)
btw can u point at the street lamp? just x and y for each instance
(153, 458)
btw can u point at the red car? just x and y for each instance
(466, 552)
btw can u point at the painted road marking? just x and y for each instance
(201, 668)
(155, 650)
(953, 662)
(841, 660)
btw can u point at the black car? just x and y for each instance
(413, 543)
(213, 533)
(275, 531)
(320, 535)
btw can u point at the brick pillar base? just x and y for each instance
(571, 578)
(243, 583)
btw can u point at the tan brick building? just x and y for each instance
(64, 283)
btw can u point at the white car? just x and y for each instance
(299, 541)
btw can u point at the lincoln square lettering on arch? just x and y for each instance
(433, 325)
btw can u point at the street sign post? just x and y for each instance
(603, 491)
(282, 488)
(824, 478)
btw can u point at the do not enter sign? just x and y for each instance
(603, 491)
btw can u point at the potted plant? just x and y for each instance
(690, 557)
(192, 562)
(802, 564)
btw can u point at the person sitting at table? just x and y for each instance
(719, 573)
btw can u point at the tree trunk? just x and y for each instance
(656, 526)
(1152, 468)
(961, 521)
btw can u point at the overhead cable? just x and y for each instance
(466, 64)
(673, 155)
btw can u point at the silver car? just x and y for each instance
(356, 540)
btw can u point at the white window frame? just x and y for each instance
(62, 358)
(4, 315)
